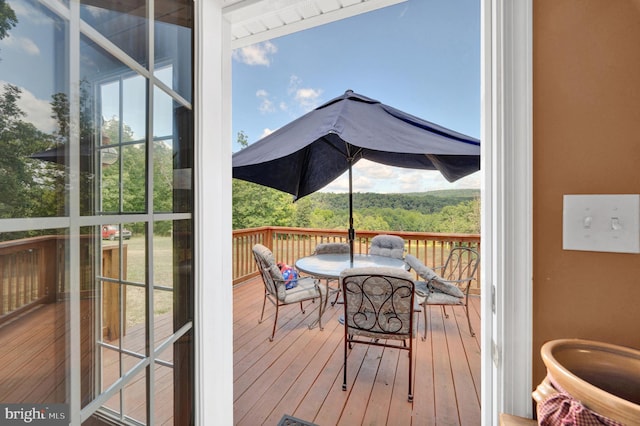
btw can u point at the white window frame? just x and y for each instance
(506, 215)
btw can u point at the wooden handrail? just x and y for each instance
(24, 277)
(32, 273)
(289, 244)
(32, 269)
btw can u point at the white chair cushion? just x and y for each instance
(305, 289)
(387, 245)
(437, 282)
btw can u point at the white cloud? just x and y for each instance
(266, 104)
(256, 54)
(23, 44)
(266, 132)
(37, 111)
(373, 177)
(25, 12)
(375, 170)
(294, 83)
(308, 99)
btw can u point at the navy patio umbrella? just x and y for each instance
(58, 155)
(313, 150)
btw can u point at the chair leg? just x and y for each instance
(344, 367)
(264, 302)
(410, 395)
(275, 322)
(320, 311)
(424, 309)
(302, 308)
(337, 295)
(444, 310)
(466, 308)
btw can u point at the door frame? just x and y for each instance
(506, 211)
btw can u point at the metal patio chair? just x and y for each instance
(448, 288)
(275, 290)
(378, 309)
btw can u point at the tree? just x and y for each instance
(162, 177)
(461, 218)
(243, 139)
(8, 19)
(28, 185)
(302, 213)
(133, 172)
(255, 205)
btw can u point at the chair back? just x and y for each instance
(387, 245)
(332, 248)
(271, 275)
(461, 265)
(378, 302)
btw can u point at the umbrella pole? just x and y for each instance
(352, 232)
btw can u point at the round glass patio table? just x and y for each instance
(331, 265)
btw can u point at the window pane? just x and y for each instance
(34, 319)
(112, 102)
(163, 176)
(164, 394)
(134, 396)
(183, 160)
(124, 23)
(172, 141)
(33, 114)
(110, 185)
(134, 108)
(134, 166)
(182, 272)
(163, 273)
(173, 35)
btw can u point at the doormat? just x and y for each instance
(287, 420)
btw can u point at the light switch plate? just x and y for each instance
(605, 222)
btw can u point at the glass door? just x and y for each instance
(96, 140)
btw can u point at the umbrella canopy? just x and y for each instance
(313, 150)
(58, 155)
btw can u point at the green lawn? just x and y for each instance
(163, 276)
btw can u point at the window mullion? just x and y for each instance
(150, 210)
(75, 350)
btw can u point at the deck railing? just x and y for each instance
(289, 244)
(24, 281)
(32, 272)
(32, 269)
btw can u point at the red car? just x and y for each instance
(111, 232)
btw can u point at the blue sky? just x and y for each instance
(421, 56)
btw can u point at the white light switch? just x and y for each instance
(607, 222)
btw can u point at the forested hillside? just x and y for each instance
(455, 211)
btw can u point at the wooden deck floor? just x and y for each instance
(300, 372)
